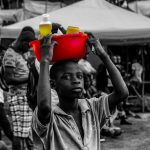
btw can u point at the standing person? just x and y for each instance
(4, 122)
(16, 75)
(73, 123)
(88, 72)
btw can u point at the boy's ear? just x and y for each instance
(53, 84)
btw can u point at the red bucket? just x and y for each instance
(70, 46)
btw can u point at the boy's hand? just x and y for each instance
(55, 27)
(47, 46)
(94, 43)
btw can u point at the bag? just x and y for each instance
(32, 85)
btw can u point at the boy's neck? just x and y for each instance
(68, 107)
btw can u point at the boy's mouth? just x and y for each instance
(77, 89)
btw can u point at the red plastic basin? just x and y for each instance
(70, 46)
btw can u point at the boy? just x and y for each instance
(74, 123)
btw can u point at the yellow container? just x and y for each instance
(45, 26)
(72, 30)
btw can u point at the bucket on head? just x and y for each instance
(70, 46)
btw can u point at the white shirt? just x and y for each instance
(1, 96)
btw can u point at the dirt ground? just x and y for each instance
(134, 137)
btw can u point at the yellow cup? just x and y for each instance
(45, 29)
(72, 30)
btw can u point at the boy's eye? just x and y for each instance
(66, 76)
(80, 76)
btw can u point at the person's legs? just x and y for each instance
(4, 123)
(5, 4)
(18, 143)
(21, 117)
(29, 141)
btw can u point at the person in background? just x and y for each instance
(89, 75)
(73, 123)
(137, 70)
(16, 76)
(4, 122)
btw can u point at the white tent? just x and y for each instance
(34, 8)
(141, 7)
(110, 23)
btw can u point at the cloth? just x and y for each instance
(1, 96)
(17, 61)
(62, 131)
(138, 69)
(21, 115)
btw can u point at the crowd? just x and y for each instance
(68, 104)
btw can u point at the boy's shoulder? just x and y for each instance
(89, 103)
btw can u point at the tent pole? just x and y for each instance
(143, 79)
(46, 3)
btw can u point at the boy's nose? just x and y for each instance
(75, 80)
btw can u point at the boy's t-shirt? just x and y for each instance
(62, 132)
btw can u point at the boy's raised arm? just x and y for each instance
(44, 89)
(120, 89)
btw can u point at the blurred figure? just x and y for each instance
(3, 145)
(4, 122)
(16, 75)
(89, 73)
(4, 4)
(109, 129)
(137, 70)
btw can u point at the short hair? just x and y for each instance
(28, 28)
(56, 67)
(27, 36)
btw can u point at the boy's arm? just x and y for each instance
(120, 89)
(44, 89)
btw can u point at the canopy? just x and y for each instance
(110, 23)
(141, 7)
(34, 8)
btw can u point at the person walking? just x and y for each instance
(16, 76)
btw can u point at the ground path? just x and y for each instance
(135, 136)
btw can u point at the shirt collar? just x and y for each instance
(83, 104)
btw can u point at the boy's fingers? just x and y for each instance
(90, 34)
(54, 43)
(46, 38)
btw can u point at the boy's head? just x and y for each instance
(67, 79)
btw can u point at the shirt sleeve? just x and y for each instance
(9, 59)
(101, 109)
(38, 127)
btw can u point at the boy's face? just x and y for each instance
(69, 82)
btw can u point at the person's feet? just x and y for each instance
(102, 139)
(111, 131)
(125, 122)
(137, 116)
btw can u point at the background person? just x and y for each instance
(16, 75)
